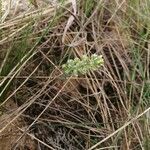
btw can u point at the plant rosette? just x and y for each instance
(76, 67)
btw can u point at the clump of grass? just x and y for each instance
(0, 8)
(105, 108)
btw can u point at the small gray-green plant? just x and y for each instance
(78, 66)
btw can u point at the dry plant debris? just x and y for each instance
(104, 108)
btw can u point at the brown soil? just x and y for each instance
(11, 133)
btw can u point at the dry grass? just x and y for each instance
(104, 109)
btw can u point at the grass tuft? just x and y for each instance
(93, 107)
